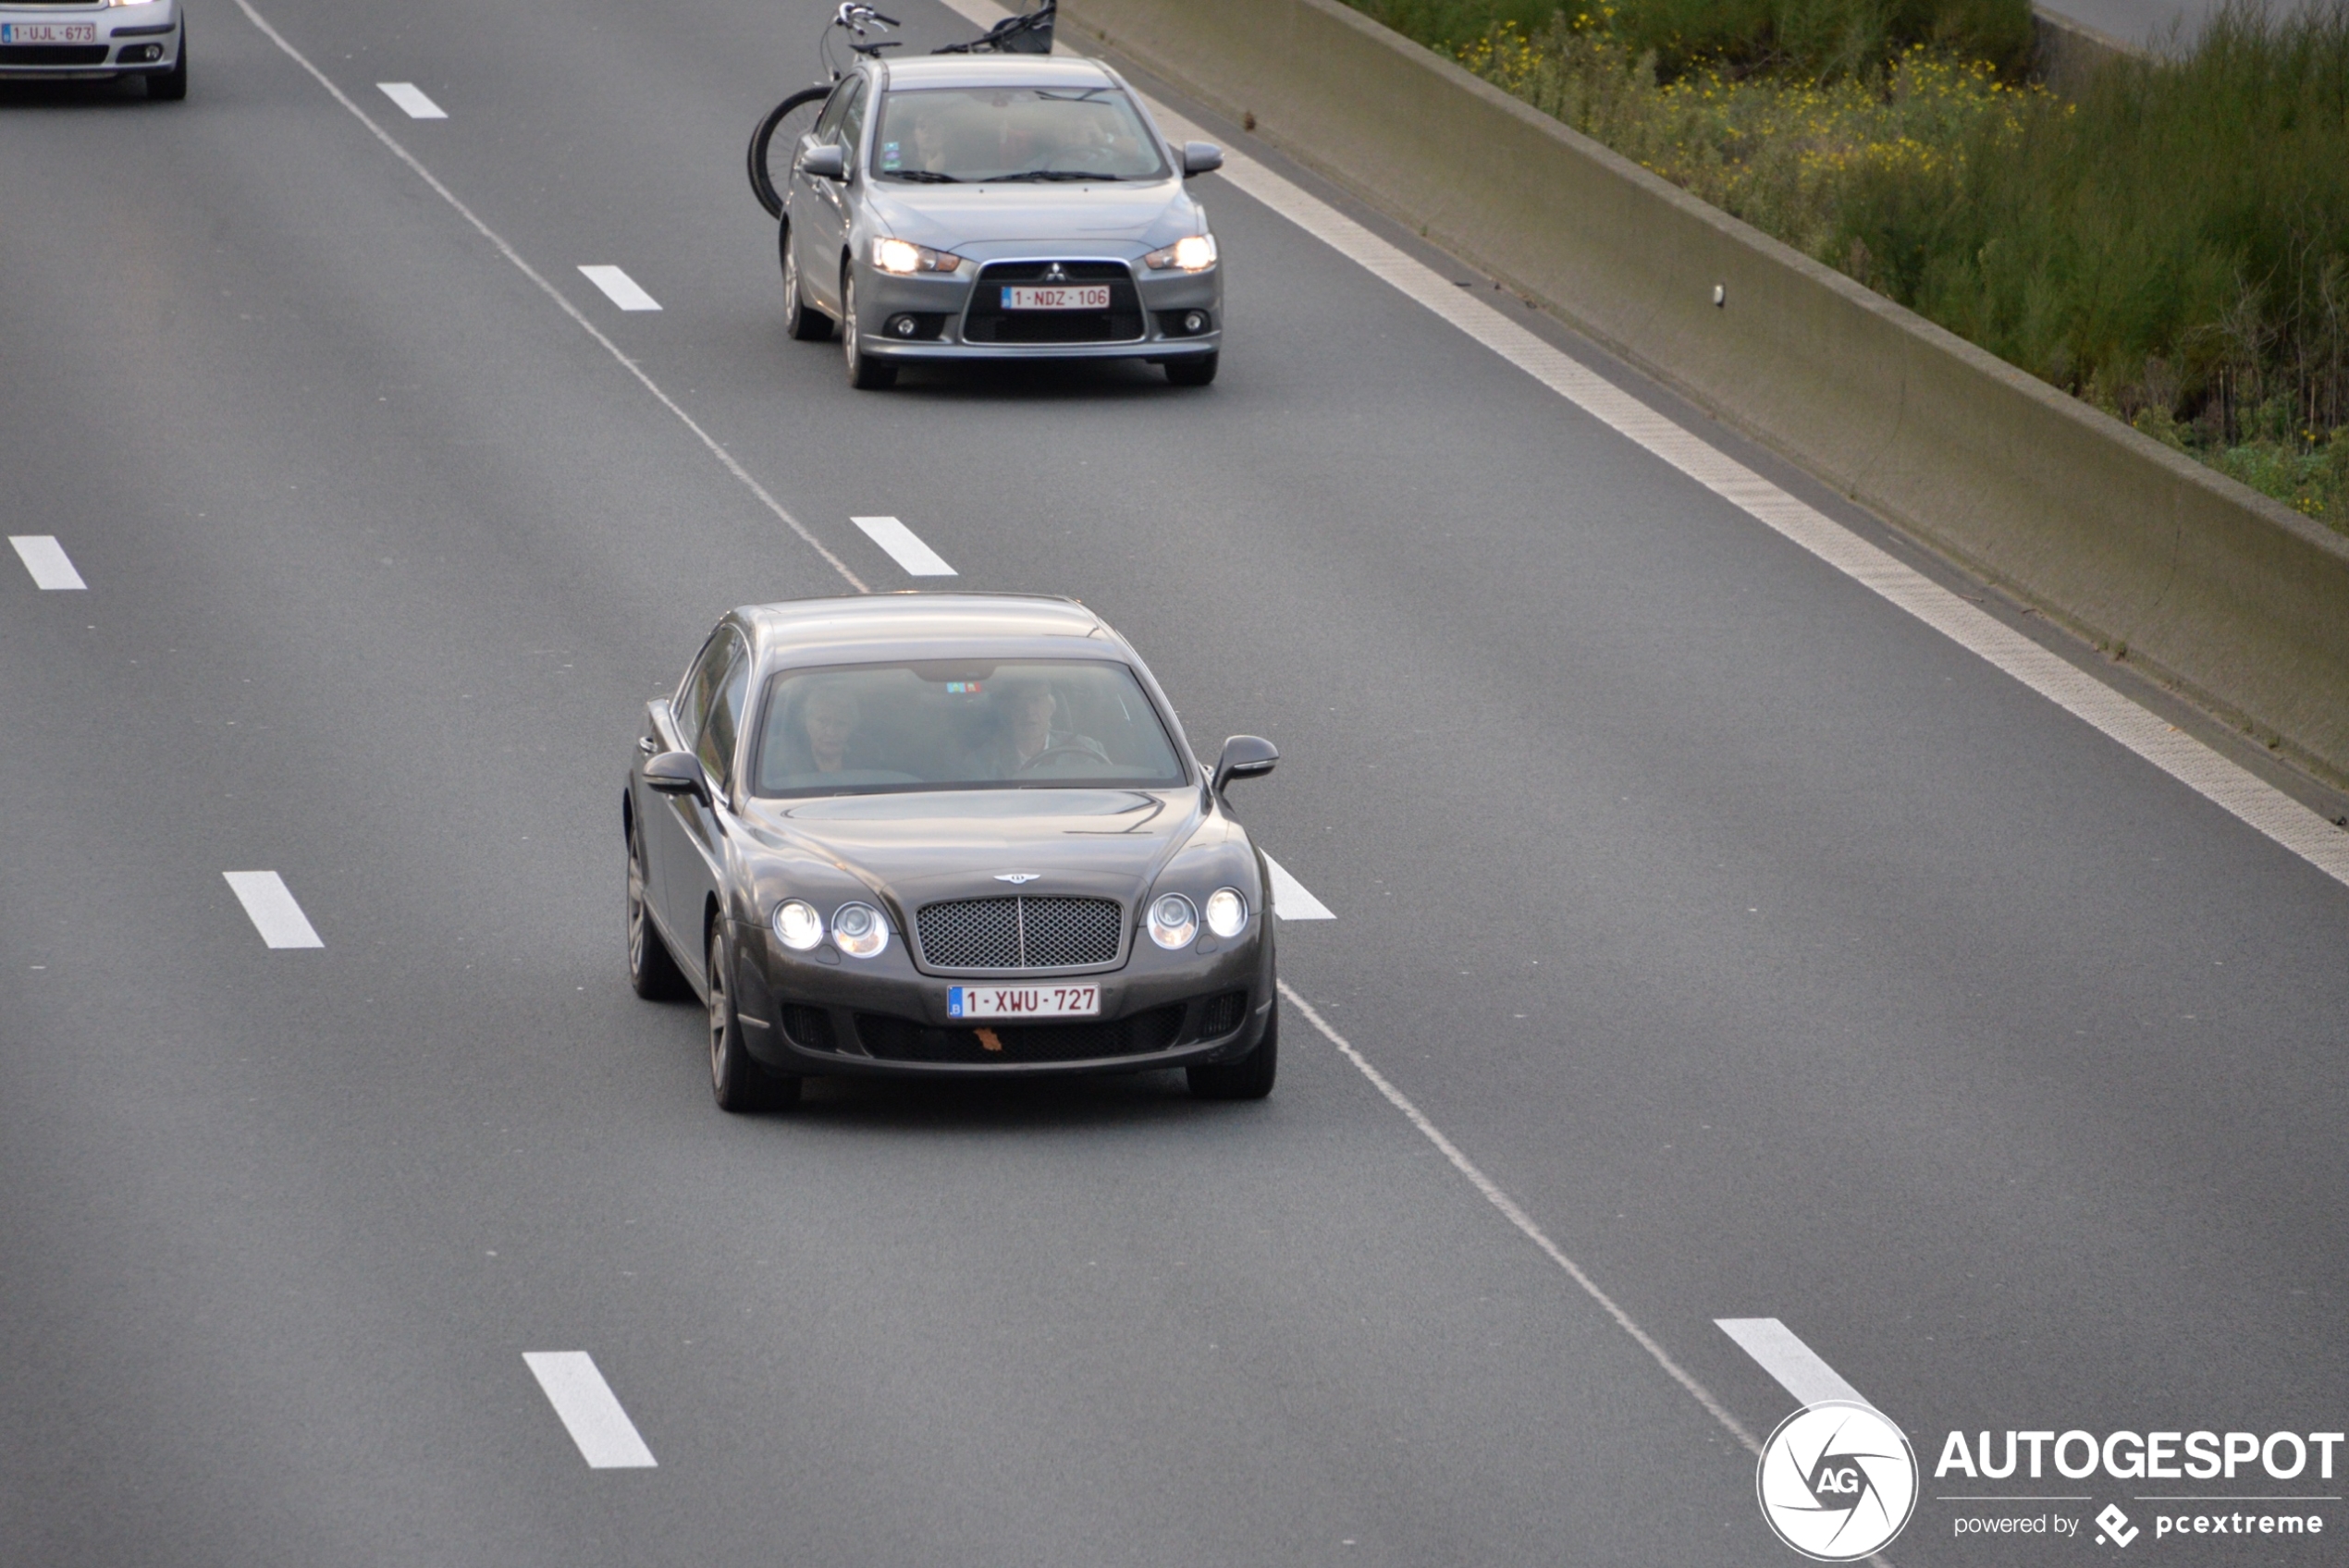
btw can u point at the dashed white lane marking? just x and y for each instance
(1522, 1220)
(905, 546)
(590, 1412)
(1795, 1364)
(2232, 788)
(1290, 901)
(270, 905)
(620, 289)
(47, 559)
(726, 459)
(412, 101)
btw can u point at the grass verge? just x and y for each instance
(2171, 246)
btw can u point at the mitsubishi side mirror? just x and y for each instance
(676, 773)
(1202, 157)
(1245, 757)
(824, 161)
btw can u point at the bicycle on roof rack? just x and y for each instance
(789, 121)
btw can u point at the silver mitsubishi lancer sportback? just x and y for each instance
(1011, 206)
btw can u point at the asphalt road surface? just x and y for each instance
(1775, 955)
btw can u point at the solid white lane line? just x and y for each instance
(590, 1412)
(905, 546)
(725, 458)
(1795, 1364)
(620, 289)
(2225, 783)
(1522, 1220)
(269, 903)
(46, 558)
(1290, 901)
(411, 99)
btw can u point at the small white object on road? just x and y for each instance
(905, 546)
(270, 904)
(412, 101)
(46, 558)
(1795, 1364)
(1290, 901)
(590, 1411)
(620, 289)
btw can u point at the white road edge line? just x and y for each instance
(620, 289)
(2225, 784)
(905, 546)
(413, 101)
(1522, 1220)
(47, 559)
(590, 1412)
(1796, 1365)
(1290, 901)
(270, 905)
(561, 304)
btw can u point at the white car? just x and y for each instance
(96, 41)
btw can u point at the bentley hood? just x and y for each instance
(915, 849)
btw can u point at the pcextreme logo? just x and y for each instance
(1836, 1481)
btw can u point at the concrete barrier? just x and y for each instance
(2067, 55)
(2238, 601)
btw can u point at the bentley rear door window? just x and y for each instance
(968, 724)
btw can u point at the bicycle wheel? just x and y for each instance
(776, 142)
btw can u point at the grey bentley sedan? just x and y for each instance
(983, 206)
(944, 834)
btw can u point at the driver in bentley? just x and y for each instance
(1025, 739)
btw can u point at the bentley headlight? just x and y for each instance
(858, 930)
(903, 256)
(1226, 912)
(1173, 921)
(798, 925)
(1194, 252)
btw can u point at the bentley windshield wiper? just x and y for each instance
(921, 177)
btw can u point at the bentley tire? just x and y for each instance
(740, 1083)
(1250, 1078)
(652, 973)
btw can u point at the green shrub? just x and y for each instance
(2173, 246)
(1823, 39)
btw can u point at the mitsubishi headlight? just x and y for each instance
(903, 256)
(1193, 253)
(858, 930)
(1173, 921)
(798, 925)
(1226, 912)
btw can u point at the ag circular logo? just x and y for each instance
(1836, 1480)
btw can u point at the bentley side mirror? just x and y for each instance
(1202, 157)
(824, 161)
(676, 773)
(1245, 757)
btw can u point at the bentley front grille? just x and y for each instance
(1020, 933)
